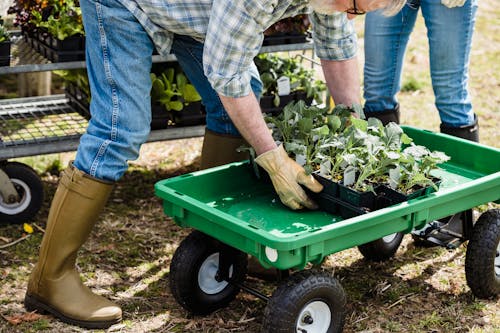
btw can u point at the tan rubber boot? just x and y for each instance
(219, 149)
(55, 285)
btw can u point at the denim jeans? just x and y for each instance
(118, 59)
(449, 31)
(189, 54)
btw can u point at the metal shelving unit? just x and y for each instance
(49, 124)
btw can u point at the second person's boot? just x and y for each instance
(468, 132)
(385, 116)
(55, 286)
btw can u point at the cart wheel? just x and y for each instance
(30, 189)
(308, 301)
(383, 248)
(192, 274)
(482, 260)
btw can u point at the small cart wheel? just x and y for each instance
(383, 248)
(192, 274)
(482, 260)
(308, 301)
(30, 190)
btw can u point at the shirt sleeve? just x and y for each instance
(234, 37)
(334, 36)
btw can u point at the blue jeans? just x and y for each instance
(449, 31)
(118, 58)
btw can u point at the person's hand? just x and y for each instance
(286, 176)
(453, 3)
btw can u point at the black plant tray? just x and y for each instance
(284, 39)
(78, 99)
(160, 118)
(4, 61)
(267, 102)
(70, 49)
(192, 114)
(388, 196)
(5, 53)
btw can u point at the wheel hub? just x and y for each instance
(21, 203)
(314, 317)
(207, 273)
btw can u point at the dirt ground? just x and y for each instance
(128, 255)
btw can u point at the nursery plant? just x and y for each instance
(4, 34)
(273, 67)
(299, 24)
(173, 90)
(61, 19)
(358, 153)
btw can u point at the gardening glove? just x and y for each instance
(453, 3)
(286, 176)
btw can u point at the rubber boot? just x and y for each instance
(55, 286)
(219, 149)
(385, 116)
(468, 132)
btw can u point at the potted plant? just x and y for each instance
(286, 80)
(5, 45)
(360, 162)
(173, 95)
(290, 30)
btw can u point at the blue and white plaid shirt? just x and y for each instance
(232, 33)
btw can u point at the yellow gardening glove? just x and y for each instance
(286, 176)
(453, 3)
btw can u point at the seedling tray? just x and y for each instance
(231, 205)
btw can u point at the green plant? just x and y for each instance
(173, 90)
(64, 19)
(272, 67)
(4, 34)
(359, 152)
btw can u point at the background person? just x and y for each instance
(450, 25)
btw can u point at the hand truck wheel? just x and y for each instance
(194, 279)
(27, 189)
(383, 248)
(308, 301)
(482, 260)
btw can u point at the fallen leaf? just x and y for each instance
(22, 317)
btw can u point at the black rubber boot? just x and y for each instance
(385, 116)
(468, 132)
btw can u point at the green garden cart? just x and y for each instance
(234, 215)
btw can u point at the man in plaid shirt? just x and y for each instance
(215, 42)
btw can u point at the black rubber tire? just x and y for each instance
(482, 250)
(298, 292)
(29, 187)
(381, 249)
(186, 263)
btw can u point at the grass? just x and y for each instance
(128, 255)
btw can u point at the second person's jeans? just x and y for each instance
(449, 32)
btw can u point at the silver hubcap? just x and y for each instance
(389, 238)
(17, 207)
(206, 275)
(314, 317)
